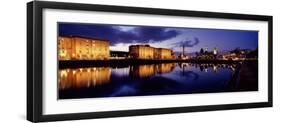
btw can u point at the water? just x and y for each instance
(155, 79)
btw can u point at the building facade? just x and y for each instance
(150, 53)
(162, 53)
(79, 48)
(141, 52)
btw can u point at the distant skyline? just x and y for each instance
(122, 36)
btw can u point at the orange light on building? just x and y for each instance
(78, 48)
(148, 52)
(162, 53)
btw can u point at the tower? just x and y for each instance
(215, 51)
(183, 50)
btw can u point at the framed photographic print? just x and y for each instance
(95, 61)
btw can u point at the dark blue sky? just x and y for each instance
(121, 36)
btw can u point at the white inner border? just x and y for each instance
(53, 106)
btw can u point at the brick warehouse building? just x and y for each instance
(79, 48)
(150, 53)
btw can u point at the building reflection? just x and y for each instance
(215, 67)
(96, 76)
(83, 77)
(144, 71)
(205, 67)
(166, 68)
(184, 65)
(91, 77)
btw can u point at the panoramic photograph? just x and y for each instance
(106, 60)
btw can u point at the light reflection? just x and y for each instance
(96, 76)
(144, 71)
(165, 68)
(86, 77)
(215, 67)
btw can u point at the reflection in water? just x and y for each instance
(144, 71)
(166, 68)
(215, 67)
(83, 77)
(155, 79)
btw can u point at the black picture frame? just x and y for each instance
(35, 69)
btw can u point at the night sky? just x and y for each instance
(121, 36)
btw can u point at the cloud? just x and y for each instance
(124, 28)
(118, 34)
(156, 33)
(187, 42)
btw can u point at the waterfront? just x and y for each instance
(111, 60)
(156, 79)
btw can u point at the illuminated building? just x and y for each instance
(205, 49)
(78, 48)
(215, 51)
(148, 52)
(141, 51)
(162, 53)
(83, 77)
(233, 56)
